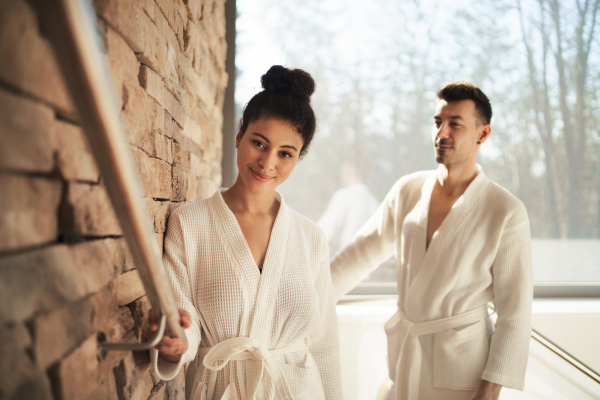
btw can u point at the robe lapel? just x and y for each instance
(237, 248)
(272, 271)
(458, 215)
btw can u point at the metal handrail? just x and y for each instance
(70, 26)
(535, 335)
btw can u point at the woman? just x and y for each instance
(252, 274)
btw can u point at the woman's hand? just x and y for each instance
(170, 348)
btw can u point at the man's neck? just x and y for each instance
(454, 179)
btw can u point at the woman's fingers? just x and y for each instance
(171, 346)
(185, 319)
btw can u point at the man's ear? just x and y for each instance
(484, 134)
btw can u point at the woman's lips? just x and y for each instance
(260, 177)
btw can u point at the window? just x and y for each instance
(378, 66)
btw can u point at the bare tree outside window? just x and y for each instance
(378, 66)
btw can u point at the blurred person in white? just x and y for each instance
(348, 209)
(250, 275)
(460, 242)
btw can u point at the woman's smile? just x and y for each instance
(260, 177)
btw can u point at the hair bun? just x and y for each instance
(288, 81)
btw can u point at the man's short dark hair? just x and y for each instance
(462, 90)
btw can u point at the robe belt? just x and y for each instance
(410, 345)
(244, 348)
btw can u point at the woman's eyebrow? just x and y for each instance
(262, 136)
(289, 146)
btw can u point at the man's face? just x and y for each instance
(457, 131)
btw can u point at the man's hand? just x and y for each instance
(170, 349)
(488, 391)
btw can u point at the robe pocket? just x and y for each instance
(299, 378)
(459, 357)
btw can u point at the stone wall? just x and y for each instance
(65, 271)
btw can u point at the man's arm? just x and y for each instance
(513, 294)
(371, 246)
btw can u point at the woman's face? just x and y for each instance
(267, 154)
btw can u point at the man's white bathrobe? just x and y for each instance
(253, 336)
(440, 342)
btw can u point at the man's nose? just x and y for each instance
(443, 131)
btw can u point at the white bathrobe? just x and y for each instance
(440, 342)
(253, 336)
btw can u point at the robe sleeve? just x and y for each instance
(513, 294)
(177, 271)
(372, 245)
(324, 341)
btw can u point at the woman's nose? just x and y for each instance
(267, 162)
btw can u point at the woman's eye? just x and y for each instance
(285, 154)
(258, 143)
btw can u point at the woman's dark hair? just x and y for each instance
(286, 96)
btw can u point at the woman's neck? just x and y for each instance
(242, 201)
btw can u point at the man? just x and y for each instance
(460, 242)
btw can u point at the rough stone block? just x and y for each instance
(155, 175)
(158, 391)
(181, 157)
(139, 112)
(179, 185)
(172, 130)
(75, 377)
(195, 164)
(206, 188)
(28, 62)
(159, 123)
(16, 367)
(159, 212)
(122, 59)
(154, 53)
(129, 287)
(28, 210)
(106, 389)
(123, 260)
(193, 131)
(87, 210)
(155, 87)
(75, 160)
(26, 134)
(194, 9)
(63, 274)
(120, 328)
(132, 377)
(174, 42)
(139, 310)
(176, 387)
(37, 387)
(160, 239)
(127, 18)
(59, 332)
(163, 148)
(193, 191)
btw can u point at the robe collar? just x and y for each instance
(426, 260)
(259, 289)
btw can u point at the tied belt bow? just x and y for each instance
(243, 348)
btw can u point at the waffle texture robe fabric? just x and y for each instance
(481, 253)
(279, 327)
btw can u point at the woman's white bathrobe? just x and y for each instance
(481, 253)
(278, 329)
